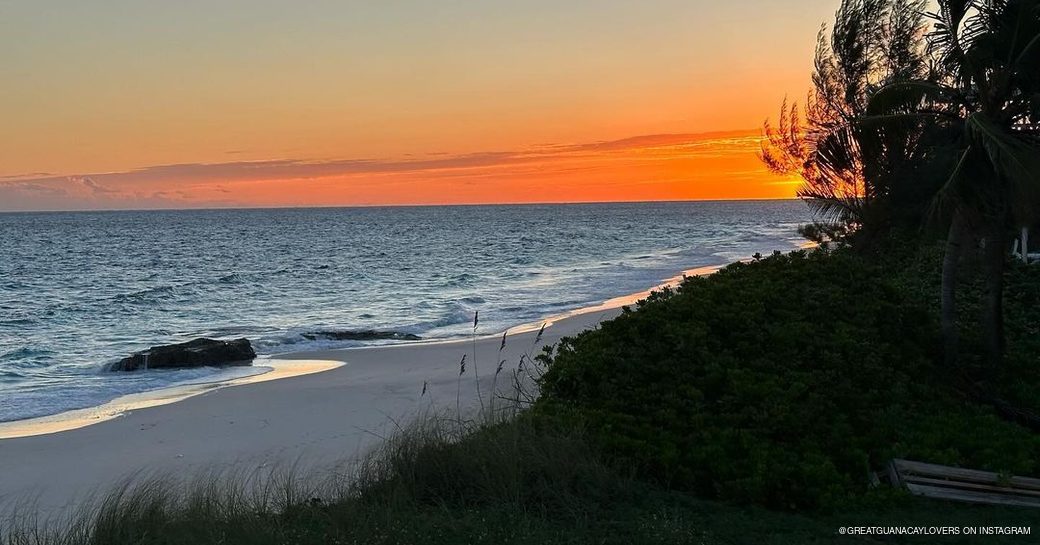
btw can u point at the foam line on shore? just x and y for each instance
(633, 298)
(618, 302)
(70, 420)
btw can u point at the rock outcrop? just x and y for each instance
(361, 335)
(195, 353)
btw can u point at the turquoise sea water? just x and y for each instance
(78, 290)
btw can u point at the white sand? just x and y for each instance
(334, 405)
(311, 420)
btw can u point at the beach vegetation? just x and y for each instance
(785, 382)
(983, 102)
(922, 123)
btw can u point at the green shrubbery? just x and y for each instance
(781, 382)
(1020, 379)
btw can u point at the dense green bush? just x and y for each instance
(781, 382)
(1020, 378)
(917, 270)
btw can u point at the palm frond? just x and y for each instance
(945, 40)
(908, 96)
(947, 192)
(834, 208)
(1015, 160)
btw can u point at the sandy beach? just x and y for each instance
(312, 420)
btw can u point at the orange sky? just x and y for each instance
(148, 104)
(665, 167)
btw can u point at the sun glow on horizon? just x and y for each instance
(118, 104)
(713, 166)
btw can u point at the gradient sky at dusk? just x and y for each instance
(143, 104)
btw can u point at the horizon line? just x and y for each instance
(405, 205)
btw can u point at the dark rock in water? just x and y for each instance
(196, 353)
(361, 335)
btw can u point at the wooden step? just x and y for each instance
(967, 485)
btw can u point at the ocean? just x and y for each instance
(81, 289)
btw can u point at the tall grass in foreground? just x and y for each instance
(518, 482)
(518, 470)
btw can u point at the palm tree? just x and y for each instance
(984, 91)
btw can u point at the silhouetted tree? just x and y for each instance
(985, 95)
(847, 173)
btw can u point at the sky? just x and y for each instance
(154, 104)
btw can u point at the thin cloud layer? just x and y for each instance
(714, 165)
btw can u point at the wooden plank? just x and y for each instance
(907, 467)
(893, 474)
(970, 496)
(960, 485)
(1025, 245)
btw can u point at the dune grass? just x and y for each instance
(517, 481)
(431, 482)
